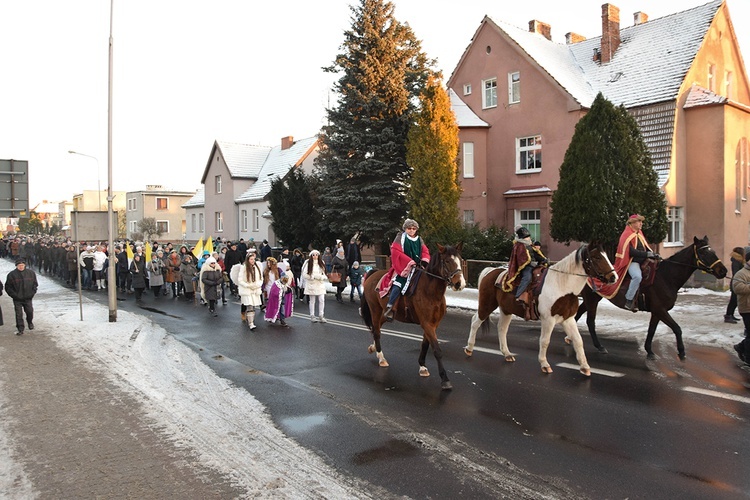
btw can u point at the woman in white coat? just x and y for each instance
(250, 287)
(314, 274)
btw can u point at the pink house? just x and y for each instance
(518, 96)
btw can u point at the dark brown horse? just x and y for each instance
(425, 307)
(659, 297)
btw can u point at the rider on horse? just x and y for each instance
(524, 257)
(407, 250)
(632, 251)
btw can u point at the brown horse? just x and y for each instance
(425, 306)
(558, 302)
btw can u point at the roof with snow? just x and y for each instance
(198, 200)
(244, 161)
(648, 67)
(277, 164)
(465, 117)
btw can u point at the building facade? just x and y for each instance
(164, 206)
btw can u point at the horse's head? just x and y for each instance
(596, 264)
(706, 259)
(448, 264)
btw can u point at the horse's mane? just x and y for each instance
(571, 260)
(685, 252)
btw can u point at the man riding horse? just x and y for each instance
(632, 251)
(524, 257)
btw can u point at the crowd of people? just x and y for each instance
(234, 269)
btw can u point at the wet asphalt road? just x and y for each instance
(637, 429)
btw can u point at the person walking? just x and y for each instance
(250, 288)
(21, 286)
(341, 266)
(138, 276)
(355, 281)
(211, 279)
(741, 285)
(100, 259)
(188, 272)
(155, 273)
(280, 301)
(314, 274)
(174, 277)
(737, 259)
(296, 263)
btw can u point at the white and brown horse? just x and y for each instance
(558, 302)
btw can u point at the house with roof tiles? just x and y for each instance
(518, 95)
(233, 200)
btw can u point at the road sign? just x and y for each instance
(14, 188)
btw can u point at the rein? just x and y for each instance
(701, 265)
(448, 278)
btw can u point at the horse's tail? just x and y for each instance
(364, 311)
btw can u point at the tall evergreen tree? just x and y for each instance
(606, 175)
(362, 163)
(431, 153)
(291, 205)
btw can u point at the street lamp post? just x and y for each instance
(98, 177)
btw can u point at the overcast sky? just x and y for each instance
(188, 72)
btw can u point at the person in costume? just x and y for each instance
(407, 250)
(250, 288)
(632, 251)
(524, 257)
(280, 300)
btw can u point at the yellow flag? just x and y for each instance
(147, 251)
(129, 251)
(209, 246)
(198, 250)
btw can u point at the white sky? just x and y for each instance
(188, 401)
(188, 72)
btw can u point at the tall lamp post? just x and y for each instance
(98, 177)
(111, 275)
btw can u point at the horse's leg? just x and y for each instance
(476, 322)
(423, 371)
(502, 335)
(571, 330)
(547, 325)
(375, 346)
(589, 307)
(667, 319)
(445, 384)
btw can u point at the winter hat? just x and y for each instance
(210, 261)
(340, 251)
(355, 264)
(314, 253)
(20, 260)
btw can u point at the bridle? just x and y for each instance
(446, 274)
(590, 268)
(702, 265)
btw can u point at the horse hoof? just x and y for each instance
(423, 372)
(681, 356)
(546, 369)
(510, 359)
(603, 350)
(586, 371)
(468, 351)
(384, 363)
(371, 348)
(651, 356)
(446, 386)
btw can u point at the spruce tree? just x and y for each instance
(291, 204)
(606, 175)
(431, 153)
(362, 164)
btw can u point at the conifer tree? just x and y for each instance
(362, 164)
(291, 205)
(431, 153)
(606, 175)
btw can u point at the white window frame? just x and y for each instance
(156, 202)
(489, 93)
(675, 227)
(531, 219)
(467, 89)
(193, 219)
(219, 220)
(524, 149)
(201, 223)
(468, 217)
(243, 219)
(133, 226)
(256, 220)
(132, 204)
(217, 184)
(468, 160)
(166, 223)
(514, 87)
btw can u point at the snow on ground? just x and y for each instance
(228, 428)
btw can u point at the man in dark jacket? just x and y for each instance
(232, 257)
(21, 285)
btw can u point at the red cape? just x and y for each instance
(628, 240)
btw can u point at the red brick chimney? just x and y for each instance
(610, 31)
(287, 142)
(543, 29)
(571, 38)
(640, 18)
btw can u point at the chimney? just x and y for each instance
(639, 18)
(543, 29)
(610, 31)
(287, 142)
(571, 38)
